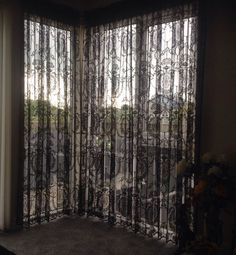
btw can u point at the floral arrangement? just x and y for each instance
(213, 186)
(211, 194)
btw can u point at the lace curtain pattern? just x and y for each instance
(48, 103)
(107, 121)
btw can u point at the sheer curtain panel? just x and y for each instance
(109, 111)
(48, 115)
(136, 118)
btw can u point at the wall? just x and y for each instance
(219, 88)
(218, 133)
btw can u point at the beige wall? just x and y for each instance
(218, 133)
(219, 88)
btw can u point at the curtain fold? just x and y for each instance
(5, 68)
(11, 105)
(109, 111)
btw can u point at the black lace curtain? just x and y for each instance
(109, 111)
(48, 114)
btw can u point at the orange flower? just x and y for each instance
(200, 187)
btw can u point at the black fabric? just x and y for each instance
(4, 251)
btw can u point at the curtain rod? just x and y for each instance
(61, 13)
(118, 10)
(129, 8)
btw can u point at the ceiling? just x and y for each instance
(84, 5)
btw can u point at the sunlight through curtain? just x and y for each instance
(106, 121)
(137, 118)
(48, 103)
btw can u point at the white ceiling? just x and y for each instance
(84, 5)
